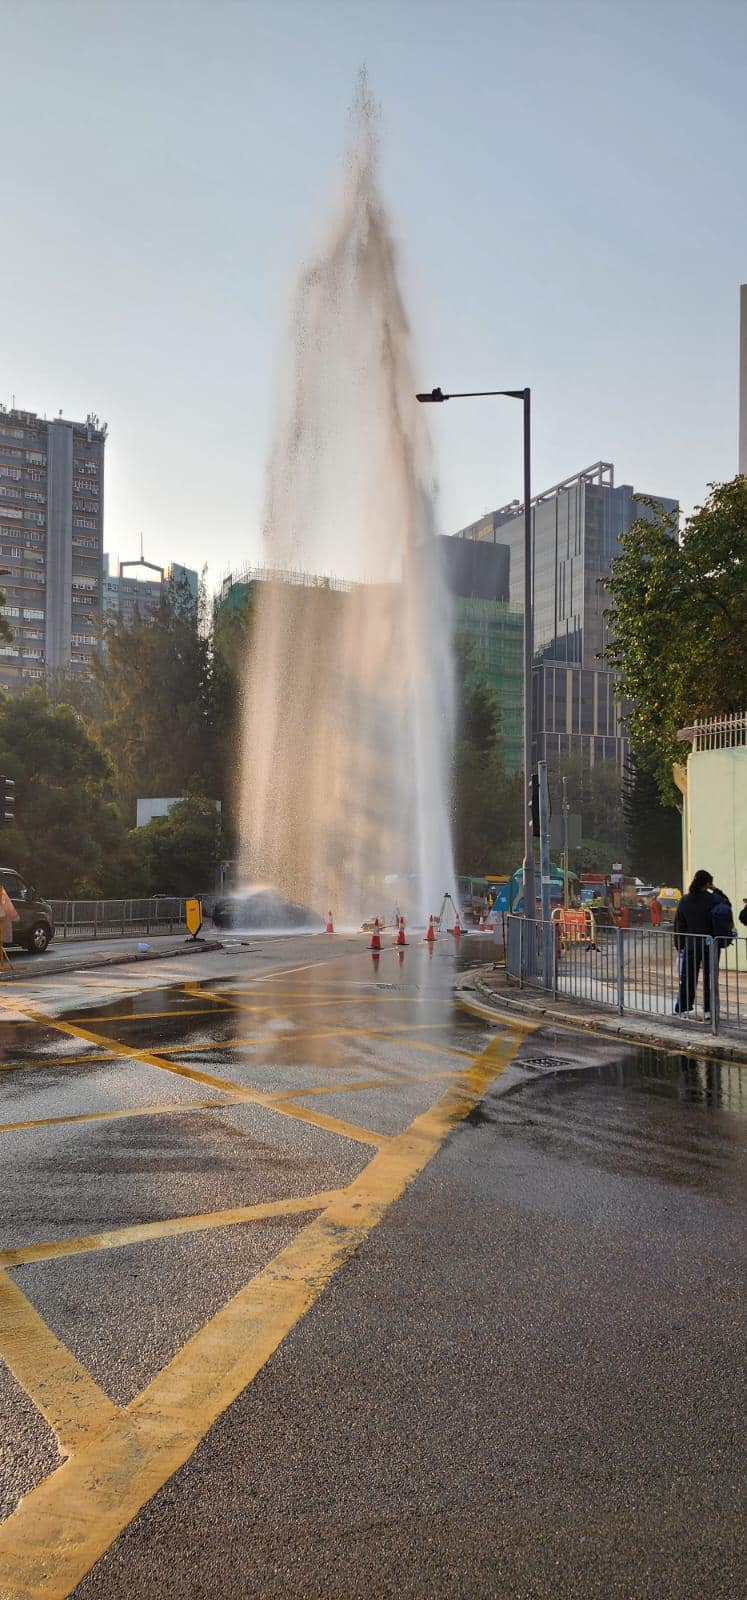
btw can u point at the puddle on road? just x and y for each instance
(693, 1081)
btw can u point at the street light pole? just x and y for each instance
(436, 396)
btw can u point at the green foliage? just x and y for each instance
(487, 802)
(596, 795)
(178, 854)
(156, 724)
(67, 838)
(653, 830)
(6, 632)
(231, 634)
(678, 622)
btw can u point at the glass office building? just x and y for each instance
(577, 526)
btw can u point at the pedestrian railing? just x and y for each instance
(95, 919)
(638, 970)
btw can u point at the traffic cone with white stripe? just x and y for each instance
(400, 939)
(375, 936)
(431, 934)
(330, 928)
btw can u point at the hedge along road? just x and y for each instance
(234, 1079)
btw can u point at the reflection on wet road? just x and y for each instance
(185, 1171)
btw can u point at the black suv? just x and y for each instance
(35, 925)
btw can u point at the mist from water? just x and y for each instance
(348, 705)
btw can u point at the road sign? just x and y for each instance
(193, 914)
(573, 820)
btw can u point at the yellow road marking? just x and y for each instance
(148, 1016)
(63, 1526)
(117, 1114)
(61, 1389)
(53, 1061)
(168, 1228)
(235, 1091)
(405, 1079)
(291, 1036)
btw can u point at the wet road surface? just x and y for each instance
(315, 1285)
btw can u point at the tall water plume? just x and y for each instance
(348, 707)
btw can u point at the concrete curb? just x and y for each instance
(479, 992)
(186, 947)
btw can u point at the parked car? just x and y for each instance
(264, 910)
(34, 926)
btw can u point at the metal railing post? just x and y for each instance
(555, 942)
(712, 957)
(620, 970)
(521, 952)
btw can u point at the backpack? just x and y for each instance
(722, 922)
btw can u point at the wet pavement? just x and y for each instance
(316, 1285)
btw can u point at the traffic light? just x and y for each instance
(7, 801)
(535, 805)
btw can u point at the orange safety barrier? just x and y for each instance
(575, 925)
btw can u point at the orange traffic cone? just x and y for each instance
(400, 939)
(431, 934)
(330, 928)
(481, 927)
(375, 936)
(457, 928)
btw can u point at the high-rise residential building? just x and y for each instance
(51, 537)
(577, 525)
(743, 379)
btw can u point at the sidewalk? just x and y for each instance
(78, 955)
(488, 993)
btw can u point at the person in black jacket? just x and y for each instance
(692, 924)
(743, 912)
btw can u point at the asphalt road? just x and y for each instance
(312, 1284)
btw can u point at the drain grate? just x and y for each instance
(543, 1064)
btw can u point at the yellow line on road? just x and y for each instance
(403, 1081)
(168, 1228)
(235, 1091)
(61, 1389)
(117, 1115)
(149, 1016)
(63, 1526)
(54, 1061)
(292, 1036)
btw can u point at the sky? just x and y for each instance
(567, 186)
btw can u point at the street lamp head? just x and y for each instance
(434, 396)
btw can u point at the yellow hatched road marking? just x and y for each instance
(63, 1526)
(54, 1061)
(291, 1036)
(117, 1115)
(403, 1081)
(61, 1389)
(168, 1228)
(235, 1091)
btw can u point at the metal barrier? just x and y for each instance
(93, 919)
(639, 970)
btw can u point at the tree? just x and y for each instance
(6, 632)
(596, 795)
(678, 621)
(653, 830)
(231, 634)
(156, 723)
(67, 837)
(487, 801)
(178, 853)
